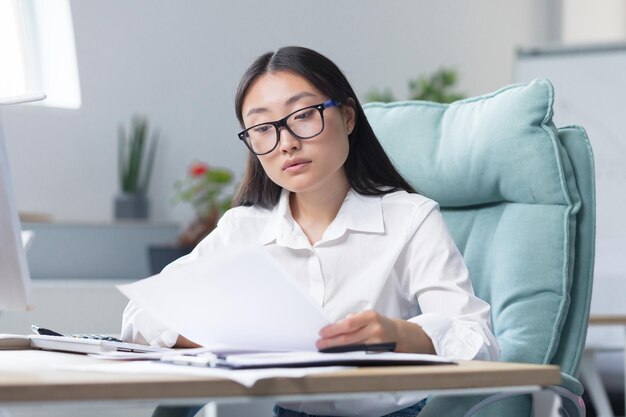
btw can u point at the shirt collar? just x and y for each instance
(358, 213)
(279, 222)
(362, 213)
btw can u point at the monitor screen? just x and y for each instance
(14, 276)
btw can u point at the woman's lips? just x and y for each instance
(295, 164)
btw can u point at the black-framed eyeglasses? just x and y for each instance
(305, 123)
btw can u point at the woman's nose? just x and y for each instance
(288, 142)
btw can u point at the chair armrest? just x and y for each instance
(517, 404)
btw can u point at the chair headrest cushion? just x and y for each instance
(499, 147)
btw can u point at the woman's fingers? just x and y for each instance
(351, 338)
(351, 323)
(365, 327)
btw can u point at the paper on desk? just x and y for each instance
(238, 298)
(286, 359)
(302, 359)
(246, 378)
(124, 356)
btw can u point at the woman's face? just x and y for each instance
(300, 165)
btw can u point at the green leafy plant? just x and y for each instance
(205, 188)
(437, 87)
(383, 96)
(136, 156)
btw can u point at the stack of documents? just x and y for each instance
(302, 359)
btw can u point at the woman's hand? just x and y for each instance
(183, 342)
(371, 327)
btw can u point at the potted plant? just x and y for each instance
(434, 87)
(135, 161)
(207, 190)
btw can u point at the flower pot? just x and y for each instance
(198, 230)
(160, 256)
(131, 206)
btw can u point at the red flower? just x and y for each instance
(198, 169)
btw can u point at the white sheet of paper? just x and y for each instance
(238, 298)
(246, 377)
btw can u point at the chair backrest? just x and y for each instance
(518, 197)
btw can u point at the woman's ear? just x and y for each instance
(349, 114)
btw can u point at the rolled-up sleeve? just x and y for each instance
(457, 321)
(458, 339)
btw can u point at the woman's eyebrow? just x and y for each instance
(289, 102)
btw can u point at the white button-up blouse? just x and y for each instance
(390, 253)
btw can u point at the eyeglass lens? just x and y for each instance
(303, 124)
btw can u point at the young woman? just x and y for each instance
(323, 198)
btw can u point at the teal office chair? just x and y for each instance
(518, 196)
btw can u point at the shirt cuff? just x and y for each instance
(166, 339)
(454, 339)
(139, 327)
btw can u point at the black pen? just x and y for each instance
(44, 332)
(367, 347)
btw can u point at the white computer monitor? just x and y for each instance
(14, 277)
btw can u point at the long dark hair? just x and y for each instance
(368, 168)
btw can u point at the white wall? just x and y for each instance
(179, 63)
(594, 21)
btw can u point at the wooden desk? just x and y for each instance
(31, 377)
(607, 320)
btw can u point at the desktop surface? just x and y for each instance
(30, 376)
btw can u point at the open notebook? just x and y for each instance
(72, 344)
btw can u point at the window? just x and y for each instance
(38, 52)
(12, 59)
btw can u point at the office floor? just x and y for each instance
(617, 403)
